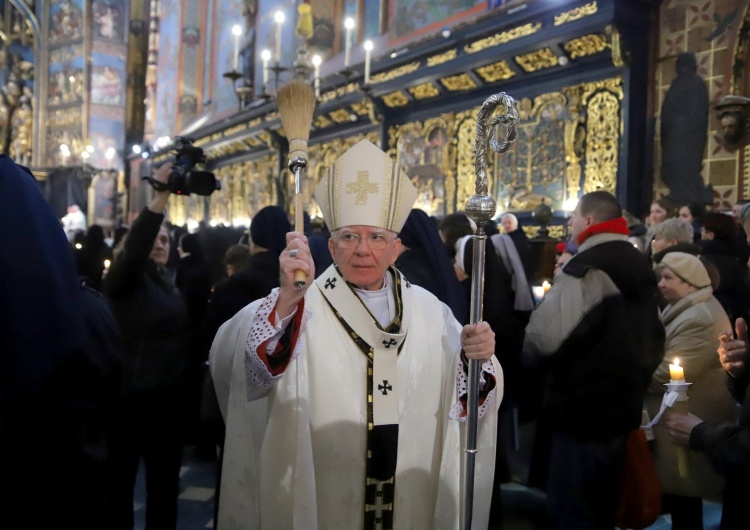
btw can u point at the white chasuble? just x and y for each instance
(297, 458)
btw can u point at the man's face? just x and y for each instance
(359, 263)
(578, 222)
(160, 250)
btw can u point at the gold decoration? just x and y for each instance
(504, 37)
(554, 231)
(340, 116)
(536, 60)
(362, 187)
(465, 175)
(586, 45)
(424, 91)
(618, 58)
(499, 71)
(362, 108)
(321, 122)
(458, 82)
(233, 130)
(603, 136)
(576, 14)
(442, 58)
(396, 99)
(254, 123)
(396, 72)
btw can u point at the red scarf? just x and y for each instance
(614, 226)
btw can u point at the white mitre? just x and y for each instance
(364, 187)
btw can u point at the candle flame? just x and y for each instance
(676, 361)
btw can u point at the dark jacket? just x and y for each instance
(152, 315)
(599, 330)
(727, 447)
(732, 291)
(254, 281)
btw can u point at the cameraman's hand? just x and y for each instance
(289, 296)
(159, 202)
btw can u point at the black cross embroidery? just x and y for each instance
(385, 387)
(389, 343)
(331, 282)
(408, 285)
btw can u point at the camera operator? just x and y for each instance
(154, 323)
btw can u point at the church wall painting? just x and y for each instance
(108, 19)
(410, 19)
(66, 20)
(104, 134)
(168, 77)
(226, 15)
(107, 80)
(65, 80)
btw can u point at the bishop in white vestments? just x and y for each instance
(344, 401)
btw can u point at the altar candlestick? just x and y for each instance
(349, 25)
(676, 372)
(279, 18)
(236, 31)
(266, 56)
(368, 50)
(316, 63)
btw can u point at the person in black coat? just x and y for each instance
(154, 322)
(425, 261)
(50, 400)
(720, 249)
(90, 260)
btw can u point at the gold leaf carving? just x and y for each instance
(321, 122)
(254, 123)
(458, 82)
(396, 72)
(538, 59)
(396, 99)
(498, 71)
(424, 91)
(576, 14)
(603, 135)
(362, 108)
(442, 58)
(340, 116)
(586, 45)
(502, 38)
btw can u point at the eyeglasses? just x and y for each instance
(376, 240)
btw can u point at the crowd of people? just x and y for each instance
(340, 402)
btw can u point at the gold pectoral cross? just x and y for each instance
(362, 187)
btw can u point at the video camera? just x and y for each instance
(184, 178)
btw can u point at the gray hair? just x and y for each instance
(510, 216)
(674, 228)
(745, 214)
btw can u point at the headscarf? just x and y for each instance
(269, 228)
(420, 231)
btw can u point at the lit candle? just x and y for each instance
(546, 286)
(538, 292)
(316, 62)
(266, 56)
(279, 18)
(236, 31)
(349, 25)
(368, 50)
(676, 372)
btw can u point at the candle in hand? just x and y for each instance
(676, 372)
(265, 55)
(349, 25)
(279, 18)
(368, 50)
(236, 31)
(316, 79)
(546, 286)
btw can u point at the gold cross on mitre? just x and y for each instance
(362, 187)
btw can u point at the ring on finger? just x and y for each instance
(293, 253)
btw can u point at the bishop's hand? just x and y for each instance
(295, 257)
(478, 341)
(733, 353)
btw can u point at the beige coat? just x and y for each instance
(692, 329)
